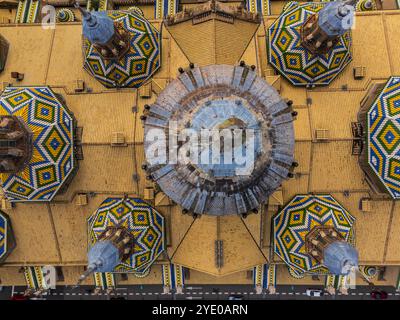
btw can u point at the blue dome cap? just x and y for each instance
(340, 257)
(98, 27)
(333, 18)
(103, 257)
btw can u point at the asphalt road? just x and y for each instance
(200, 292)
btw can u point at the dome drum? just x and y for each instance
(222, 97)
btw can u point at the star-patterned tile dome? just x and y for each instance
(144, 223)
(52, 127)
(134, 67)
(366, 5)
(298, 65)
(65, 15)
(297, 219)
(381, 152)
(7, 240)
(369, 272)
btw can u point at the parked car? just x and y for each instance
(235, 297)
(314, 292)
(19, 297)
(379, 295)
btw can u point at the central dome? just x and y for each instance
(236, 171)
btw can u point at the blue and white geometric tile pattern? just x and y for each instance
(52, 158)
(136, 66)
(383, 125)
(297, 219)
(298, 65)
(144, 223)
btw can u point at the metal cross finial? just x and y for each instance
(85, 14)
(86, 274)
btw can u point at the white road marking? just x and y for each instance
(194, 293)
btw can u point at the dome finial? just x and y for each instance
(115, 245)
(84, 13)
(87, 16)
(322, 30)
